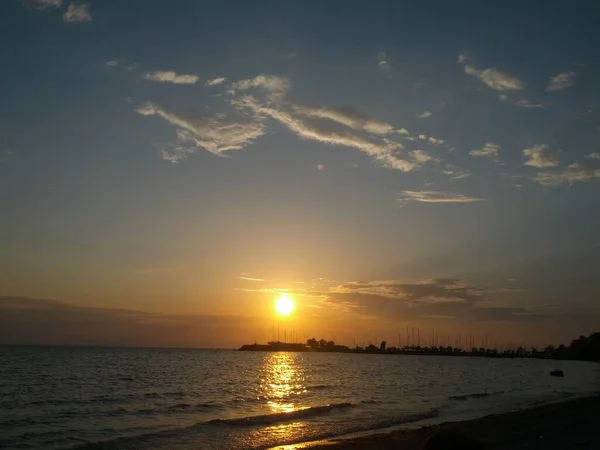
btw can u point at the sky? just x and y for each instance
(169, 168)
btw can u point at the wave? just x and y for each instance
(145, 440)
(475, 395)
(268, 419)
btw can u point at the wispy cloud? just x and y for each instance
(489, 150)
(252, 279)
(456, 173)
(171, 77)
(425, 115)
(197, 131)
(561, 81)
(539, 156)
(347, 117)
(44, 4)
(495, 79)
(383, 62)
(111, 63)
(437, 197)
(215, 81)
(293, 117)
(585, 171)
(421, 156)
(524, 103)
(275, 86)
(77, 13)
(320, 166)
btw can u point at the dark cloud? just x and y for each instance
(427, 299)
(43, 321)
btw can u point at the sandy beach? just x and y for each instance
(567, 425)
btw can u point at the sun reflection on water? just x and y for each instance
(282, 381)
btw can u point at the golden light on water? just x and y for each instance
(283, 382)
(284, 305)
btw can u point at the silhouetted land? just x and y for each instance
(586, 348)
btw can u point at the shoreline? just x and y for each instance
(559, 425)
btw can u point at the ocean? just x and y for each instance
(117, 398)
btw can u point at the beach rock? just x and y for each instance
(557, 373)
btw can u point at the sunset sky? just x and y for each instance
(169, 168)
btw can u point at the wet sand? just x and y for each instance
(568, 425)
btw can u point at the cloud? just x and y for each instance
(437, 197)
(429, 139)
(561, 81)
(520, 103)
(585, 171)
(425, 115)
(496, 79)
(462, 58)
(215, 81)
(382, 62)
(44, 4)
(276, 87)
(489, 150)
(51, 322)
(252, 279)
(421, 156)
(211, 133)
(436, 298)
(539, 156)
(171, 77)
(111, 63)
(77, 13)
(320, 166)
(322, 131)
(456, 173)
(347, 117)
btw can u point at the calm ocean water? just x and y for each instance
(172, 398)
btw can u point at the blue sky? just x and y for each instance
(153, 152)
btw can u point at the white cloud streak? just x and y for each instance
(425, 115)
(252, 279)
(321, 131)
(561, 81)
(215, 81)
(421, 156)
(210, 133)
(496, 79)
(437, 197)
(44, 4)
(276, 87)
(171, 77)
(77, 13)
(585, 171)
(347, 117)
(539, 156)
(520, 103)
(489, 150)
(382, 62)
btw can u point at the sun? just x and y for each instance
(284, 305)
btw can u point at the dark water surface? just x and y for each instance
(61, 397)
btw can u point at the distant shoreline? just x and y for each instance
(556, 426)
(448, 351)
